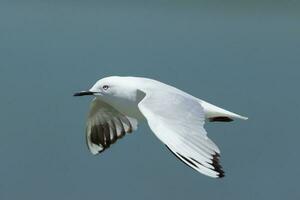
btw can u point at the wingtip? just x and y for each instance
(216, 164)
(244, 118)
(221, 175)
(241, 117)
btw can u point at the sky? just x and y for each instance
(241, 56)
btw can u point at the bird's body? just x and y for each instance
(129, 102)
(175, 117)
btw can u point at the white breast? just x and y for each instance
(128, 107)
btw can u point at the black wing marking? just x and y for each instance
(193, 162)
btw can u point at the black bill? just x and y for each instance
(83, 93)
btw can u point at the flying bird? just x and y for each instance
(175, 117)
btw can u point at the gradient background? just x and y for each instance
(241, 55)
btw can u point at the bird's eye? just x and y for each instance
(105, 87)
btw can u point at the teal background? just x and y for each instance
(240, 55)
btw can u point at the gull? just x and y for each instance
(175, 117)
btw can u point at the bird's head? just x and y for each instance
(113, 87)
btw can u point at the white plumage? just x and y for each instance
(174, 116)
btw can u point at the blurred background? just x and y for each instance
(240, 55)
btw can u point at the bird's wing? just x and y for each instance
(105, 125)
(177, 121)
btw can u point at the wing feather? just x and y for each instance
(105, 125)
(178, 123)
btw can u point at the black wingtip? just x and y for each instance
(221, 175)
(220, 119)
(215, 162)
(217, 166)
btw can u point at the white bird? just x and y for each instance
(175, 117)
